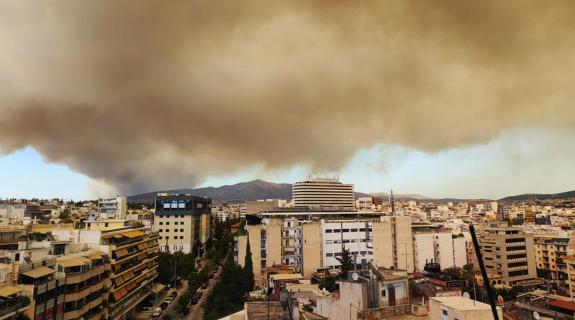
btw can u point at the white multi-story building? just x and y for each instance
(12, 211)
(440, 247)
(323, 193)
(113, 208)
(354, 236)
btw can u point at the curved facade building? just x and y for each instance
(323, 193)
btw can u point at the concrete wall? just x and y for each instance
(404, 243)
(444, 249)
(460, 251)
(311, 250)
(274, 244)
(382, 243)
(352, 297)
(255, 248)
(424, 250)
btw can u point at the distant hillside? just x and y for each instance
(540, 196)
(252, 190)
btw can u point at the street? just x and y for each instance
(196, 310)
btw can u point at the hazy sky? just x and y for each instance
(450, 98)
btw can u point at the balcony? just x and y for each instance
(79, 312)
(14, 306)
(73, 278)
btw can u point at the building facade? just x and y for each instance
(550, 254)
(112, 208)
(310, 245)
(182, 221)
(509, 256)
(323, 193)
(440, 247)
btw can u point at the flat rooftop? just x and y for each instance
(461, 303)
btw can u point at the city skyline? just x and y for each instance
(422, 98)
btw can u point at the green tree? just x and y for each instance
(328, 283)
(248, 270)
(346, 261)
(65, 216)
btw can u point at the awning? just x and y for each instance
(142, 246)
(72, 261)
(38, 272)
(133, 234)
(157, 288)
(6, 291)
(118, 236)
(119, 294)
(121, 252)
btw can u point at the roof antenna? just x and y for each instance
(392, 202)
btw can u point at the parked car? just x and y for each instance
(174, 294)
(164, 305)
(156, 314)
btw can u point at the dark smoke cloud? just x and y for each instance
(152, 94)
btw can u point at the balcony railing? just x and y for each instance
(14, 305)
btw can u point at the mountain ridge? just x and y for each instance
(261, 189)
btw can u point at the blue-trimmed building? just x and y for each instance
(183, 221)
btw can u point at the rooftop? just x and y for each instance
(461, 303)
(259, 311)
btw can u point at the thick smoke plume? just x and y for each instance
(153, 94)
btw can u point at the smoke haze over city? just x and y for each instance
(146, 95)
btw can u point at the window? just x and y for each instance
(167, 230)
(344, 230)
(167, 223)
(161, 238)
(329, 255)
(161, 230)
(181, 237)
(176, 223)
(182, 223)
(328, 241)
(181, 230)
(353, 230)
(161, 223)
(444, 311)
(175, 230)
(167, 237)
(328, 231)
(199, 205)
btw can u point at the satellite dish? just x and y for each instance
(536, 315)
(466, 295)
(500, 299)
(355, 276)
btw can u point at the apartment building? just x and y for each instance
(84, 278)
(44, 287)
(440, 247)
(550, 254)
(182, 221)
(323, 193)
(310, 245)
(133, 252)
(112, 208)
(265, 242)
(509, 256)
(570, 260)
